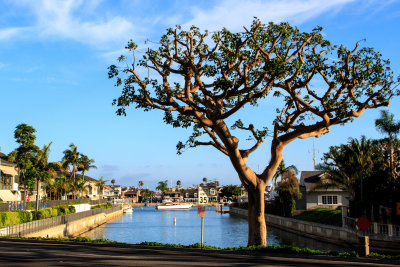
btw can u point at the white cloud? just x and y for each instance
(234, 14)
(8, 33)
(73, 19)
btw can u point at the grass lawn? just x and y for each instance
(321, 215)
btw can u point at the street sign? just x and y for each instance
(398, 208)
(363, 223)
(202, 197)
(201, 211)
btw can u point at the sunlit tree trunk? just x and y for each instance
(256, 216)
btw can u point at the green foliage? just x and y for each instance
(162, 186)
(321, 215)
(104, 206)
(16, 217)
(361, 167)
(147, 194)
(64, 209)
(231, 191)
(24, 155)
(288, 191)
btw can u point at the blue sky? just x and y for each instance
(53, 70)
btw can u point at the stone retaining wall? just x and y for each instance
(77, 227)
(323, 232)
(309, 229)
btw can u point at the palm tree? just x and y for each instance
(162, 186)
(80, 186)
(178, 183)
(205, 179)
(42, 170)
(113, 182)
(282, 169)
(71, 157)
(63, 186)
(101, 183)
(347, 166)
(387, 125)
(85, 164)
(140, 184)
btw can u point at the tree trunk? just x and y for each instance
(391, 157)
(37, 193)
(256, 216)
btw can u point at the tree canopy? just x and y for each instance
(201, 80)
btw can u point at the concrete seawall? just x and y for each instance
(75, 228)
(322, 232)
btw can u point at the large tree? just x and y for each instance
(24, 155)
(202, 81)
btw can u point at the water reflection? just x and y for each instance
(220, 230)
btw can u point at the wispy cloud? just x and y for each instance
(233, 14)
(11, 32)
(74, 20)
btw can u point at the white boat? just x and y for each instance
(128, 209)
(174, 206)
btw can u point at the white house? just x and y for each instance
(8, 181)
(313, 197)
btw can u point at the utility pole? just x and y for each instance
(313, 150)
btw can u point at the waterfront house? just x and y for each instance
(9, 180)
(131, 194)
(191, 194)
(315, 196)
(174, 194)
(113, 192)
(92, 190)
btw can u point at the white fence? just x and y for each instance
(376, 231)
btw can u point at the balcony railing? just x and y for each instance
(5, 187)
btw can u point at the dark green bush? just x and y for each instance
(322, 215)
(24, 216)
(71, 209)
(104, 206)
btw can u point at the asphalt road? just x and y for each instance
(51, 253)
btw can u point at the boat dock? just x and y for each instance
(220, 209)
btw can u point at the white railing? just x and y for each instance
(376, 230)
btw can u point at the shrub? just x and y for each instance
(322, 215)
(104, 206)
(14, 217)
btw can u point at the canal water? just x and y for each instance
(220, 230)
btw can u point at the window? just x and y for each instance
(329, 200)
(187, 194)
(195, 194)
(212, 191)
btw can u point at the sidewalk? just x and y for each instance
(52, 253)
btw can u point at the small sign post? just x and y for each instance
(201, 209)
(363, 224)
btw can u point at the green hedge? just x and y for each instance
(321, 215)
(18, 217)
(104, 206)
